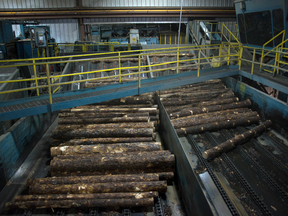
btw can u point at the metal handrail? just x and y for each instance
(139, 54)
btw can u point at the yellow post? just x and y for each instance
(170, 38)
(252, 70)
(240, 57)
(175, 39)
(177, 60)
(44, 53)
(119, 56)
(35, 75)
(112, 48)
(165, 39)
(139, 70)
(262, 58)
(229, 51)
(199, 56)
(129, 46)
(48, 81)
(276, 59)
(160, 39)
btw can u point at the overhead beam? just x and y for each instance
(80, 12)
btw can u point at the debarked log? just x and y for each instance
(104, 148)
(109, 125)
(106, 132)
(108, 140)
(218, 125)
(237, 140)
(143, 160)
(129, 195)
(200, 121)
(88, 120)
(90, 203)
(110, 187)
(100, 115)
(94, 179)
(199, 110)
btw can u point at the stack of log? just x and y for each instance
(206, 106)
(106, 156)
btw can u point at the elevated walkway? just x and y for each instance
(41, 104)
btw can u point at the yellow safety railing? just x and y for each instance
(275, 48)
(53, 84)
(167, 38)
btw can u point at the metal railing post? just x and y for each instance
(229, 52)
(119, 64)
(240, 56)
(35, 75)
(177, 60)
(199, 56)
(253, 60)
(48, 81)
(139, 71)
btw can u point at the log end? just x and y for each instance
(205, 155)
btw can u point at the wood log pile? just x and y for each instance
(206, 106)
(103, 155)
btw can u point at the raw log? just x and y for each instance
(214, 114)
(218, 125)
(111, 187)
(140, 195)
(123, 79)
(104, 148)
(94, 179)
(119, 106)
(115, 172)
(199, 110)
(102, 120)
(110, 125)
(237, 140)
(191, 89)
(90, 203)
(200, 121)
(196, 94)
(143, 160)
(131, 110)
(106, 132)
(124, 154)
(107, 140)
(100, 115)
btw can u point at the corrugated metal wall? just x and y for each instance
(36, 4)
(159, 3)
(113, 3)
(63, 30)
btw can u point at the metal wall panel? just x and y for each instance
(160, 3)
(18, 4)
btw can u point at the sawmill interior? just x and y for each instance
(155, 108)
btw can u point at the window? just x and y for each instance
(278, 24)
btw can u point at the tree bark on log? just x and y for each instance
(199, 110)
(105, 149)
(102, 120)
(130, 195)
(106, 132)
(214, 114)
(111, 187)
(196, 94)
(237, 140)
(143, 160)
(131, 110)
(217, 125)
(200, 121)
(100, 115)
(115, 172)
(90, 203)
(178, 108)
(94, 179)
(108, 140)
(109, 125)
